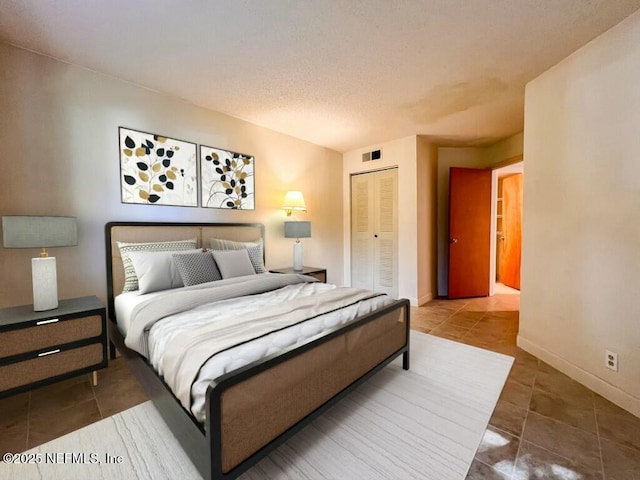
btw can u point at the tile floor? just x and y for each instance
(32, 418)
(545, 425)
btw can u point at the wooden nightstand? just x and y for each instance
(319, 273)
(38, 348)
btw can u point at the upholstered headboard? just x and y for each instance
(163, 232)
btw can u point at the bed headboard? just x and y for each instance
(163, 232)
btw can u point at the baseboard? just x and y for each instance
(608, 391)
(425, 298)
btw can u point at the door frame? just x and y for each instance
(510, 166)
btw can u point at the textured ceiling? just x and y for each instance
(343, 74)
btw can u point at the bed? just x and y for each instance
(247, 412)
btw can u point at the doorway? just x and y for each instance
(506, 247)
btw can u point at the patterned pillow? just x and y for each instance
(255, 250)
(196, 268)
(130, 278)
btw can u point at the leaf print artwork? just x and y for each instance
(227, 179)
(157, 170)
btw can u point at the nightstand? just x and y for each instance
(319, 273)
(38, 348)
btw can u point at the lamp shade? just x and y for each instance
(294, 201)
(297, 229)
(39, 232)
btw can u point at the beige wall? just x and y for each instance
(59, 156)
(581, 236)
(401, 153)
(427, 173)
(468, 157)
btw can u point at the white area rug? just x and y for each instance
(425, 423)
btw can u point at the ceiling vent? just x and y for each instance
(372, 156)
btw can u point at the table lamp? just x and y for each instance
(297, 230)
(41, 232)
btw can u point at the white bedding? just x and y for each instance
(124, 305)
(168, 328)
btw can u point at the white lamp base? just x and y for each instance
(297, 256)
(45, 283)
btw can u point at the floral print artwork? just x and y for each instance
(157, 170)
(227, 179)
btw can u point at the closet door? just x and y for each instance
(374, 231)
(362, 231)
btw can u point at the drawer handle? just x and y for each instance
(44, 322)
(48, 353)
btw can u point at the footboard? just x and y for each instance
(252, 411)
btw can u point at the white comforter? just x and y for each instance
(164, 331)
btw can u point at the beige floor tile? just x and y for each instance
(550, 380)
(13, 436)
(523, 372)
(569, 442)
(61, 395)
(508, 417)
(516, 393)
(462, 321)
(482, 471)
(447, 327)
(498, 449)
(448, 335)
(617, 424)
(427, 322)
(564, 409)
(535, 463)
(14, 409)
(620, 462)
(120, 397)
(43, 426)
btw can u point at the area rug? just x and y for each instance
(425, 423)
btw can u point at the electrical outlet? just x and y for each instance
(611, 360)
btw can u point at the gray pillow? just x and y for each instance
(255, 249)
(196, 268)
(233, 263)
(130, 277)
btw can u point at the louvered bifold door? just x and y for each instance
(385, 278)
(374, 231)
(362, 234)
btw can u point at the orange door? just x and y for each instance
(512, 230)
(469, 232)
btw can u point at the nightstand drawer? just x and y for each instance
(47, 366)
(49, 333)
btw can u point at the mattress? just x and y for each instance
(168, 329)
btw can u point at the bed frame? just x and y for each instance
(253, 410)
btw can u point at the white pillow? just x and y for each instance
(233, 263)
(157, 270)
(126, 248)
(255, 249)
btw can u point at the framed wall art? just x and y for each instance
(227, 179)
(157, 170)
